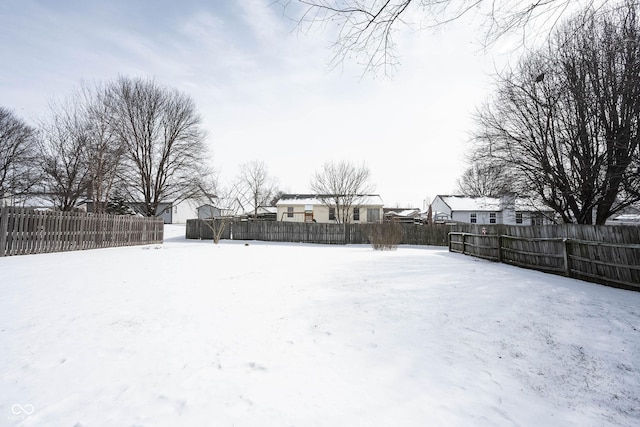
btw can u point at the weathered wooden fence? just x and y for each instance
(25, 231)
(198, 229)
(280, 231)
(608, 255)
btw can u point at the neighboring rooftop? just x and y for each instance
(315, 199)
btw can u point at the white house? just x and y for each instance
(490, 210)
(170, 212)
(184, 210)
(310, 208)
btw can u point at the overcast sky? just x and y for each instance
(264, 91)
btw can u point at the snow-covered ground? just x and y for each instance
(192, 334)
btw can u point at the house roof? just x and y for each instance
(465, 203)
(267, 209)
(628, 218)
(315, 199)
(490, 204)
(207, 205)
(402, 212)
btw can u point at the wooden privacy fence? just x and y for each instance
(198, 229)
(608, 255)
(277, 231)
(25, 231)
(280, 231)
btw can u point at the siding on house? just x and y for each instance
(309, 208)
(490, 210)
(208, 211)
(170, 212)
(181, 212)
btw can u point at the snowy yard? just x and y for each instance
(192, 334)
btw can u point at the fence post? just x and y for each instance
(4, 229)
(464, 245)
(499, 247)
(565, 254)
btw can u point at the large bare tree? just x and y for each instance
(105, 150)
(366, 28)
(256, 184)
(18, 173)
(485, 180)
(64, 144)
(567, 117)
(163, 140)
(342, 186)
(81, 153)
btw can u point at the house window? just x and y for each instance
(492, 217)
(518, 217)
(473, 218)
(373, 215)
(289, 211)
(356, 214)
(537, 219)
(332, 214)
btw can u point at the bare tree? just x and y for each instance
(567, 118)
(105, 150)
(18, 173)
(222, 202)
(276, 196)
(365, 28)
(163, 139)
(256, 184)
(485, 180)
(64, 159)
(81, 154)
(342, 186)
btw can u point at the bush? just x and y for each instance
(384, 236)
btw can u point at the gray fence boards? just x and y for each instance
(25, 231)
(280, 231)
(198, 229)
(277, 231)
(603, 254)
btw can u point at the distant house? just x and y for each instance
(208, 211)
(310, 208)
(34, 202)
(489, 210)
(182, 211)
(402, 215)
(263, 213)
(170, 212)
(624, 219)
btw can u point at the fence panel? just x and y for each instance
(25, 231)
(608, 255)
(323, 233)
